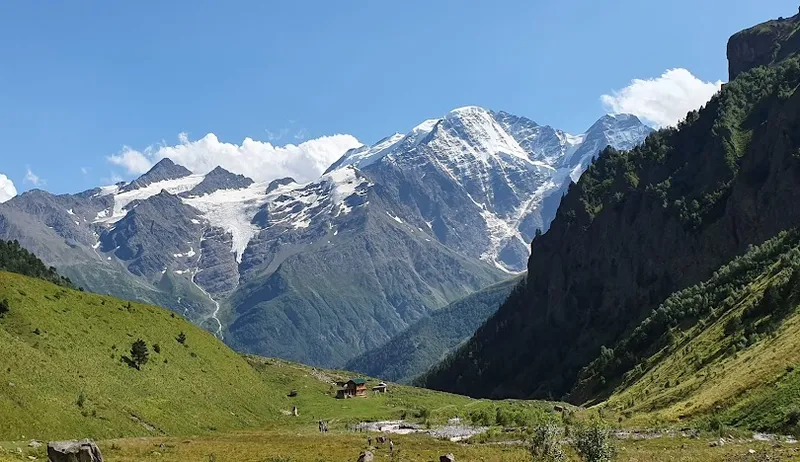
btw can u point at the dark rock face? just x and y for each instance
(153, 234)
(165, 169)
(274, 184)
(218, 273)
(73, 451)
(762, 45)
(218, 179)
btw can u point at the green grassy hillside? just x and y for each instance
(61, 373)
(725, 350)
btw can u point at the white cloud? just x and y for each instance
(85, 170)
(663, 100)
(7, 189)
(33, 178)
(133, 161)
(259, 160)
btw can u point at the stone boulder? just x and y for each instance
(73, 451)
(366, 456)
(449, 457)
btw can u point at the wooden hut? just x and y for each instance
(351, 388)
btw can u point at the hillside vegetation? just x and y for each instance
(725, 349)
(62, 372)
(420, 346)
(16, 259)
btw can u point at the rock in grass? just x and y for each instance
(366, 456)
(73, 451)
(449, 457)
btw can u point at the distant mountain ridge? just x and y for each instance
(322, 271)
(426, 342)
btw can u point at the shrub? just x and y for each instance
(546, 444)
(594, 443)
(139, 354)
(481, 417)
(81, 400)
(793, 416)
(157, 348)
(181, 338)
(3, 307)
(423, 413)
(502, 417)
(733, 325)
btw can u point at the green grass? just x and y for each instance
(61, 376)
(307, 445)
(708, 375)
(58, 344)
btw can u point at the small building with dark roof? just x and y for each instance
(352, 388)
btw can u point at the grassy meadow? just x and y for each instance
(63, 375)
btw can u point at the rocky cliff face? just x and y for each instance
(763, 44)
(638, 226)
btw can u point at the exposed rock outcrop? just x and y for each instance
(74, 451)
(366, 456)
(762, 45)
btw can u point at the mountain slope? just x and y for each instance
(726, 347)
(482, 180)
(420, 346)
(15, 259)
(62, 375)
(638, 226)
(350, 289)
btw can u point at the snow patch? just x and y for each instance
(122, 200)
(395, 218)
(233, 210)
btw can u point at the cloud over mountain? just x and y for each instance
(260, 160)
(7, 189)
(663, 100)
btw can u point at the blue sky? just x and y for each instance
(82, 80)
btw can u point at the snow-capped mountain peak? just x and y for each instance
(506, 166)
(165, 169)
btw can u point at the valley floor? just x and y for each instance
(305, 444)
